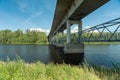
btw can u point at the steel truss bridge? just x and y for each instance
(105, 32)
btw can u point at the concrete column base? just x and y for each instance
(54, 51)
(74, 53)
(70, 54)
(74, 48)
(73, 58)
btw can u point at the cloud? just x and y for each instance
(40, 30)
(21, 4)
(87, 27)
(75, 29)
(28, 21)
(49, 4)
(39, 13)
(22, 7)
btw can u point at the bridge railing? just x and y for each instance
(106, 32)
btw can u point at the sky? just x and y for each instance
(38, 14)
(107, 12)
(26, 14)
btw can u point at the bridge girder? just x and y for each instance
(72, 10)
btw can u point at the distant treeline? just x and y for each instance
(20, 37)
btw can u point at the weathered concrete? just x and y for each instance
(62, 37)
(74, 53)
(73, 10)
(79, 29)
(68, 31)
(55, 54)
(74, 48)
(73, 58)
(68, 55)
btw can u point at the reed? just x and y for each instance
(20, 70)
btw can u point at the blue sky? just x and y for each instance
(109, 11)
(26, 14)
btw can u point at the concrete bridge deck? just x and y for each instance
(73, 10)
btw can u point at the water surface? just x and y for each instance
(94, 54)
(102, 54)
(30, 53)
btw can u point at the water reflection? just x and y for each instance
(30, 53)
(94, 54)
(102, 54)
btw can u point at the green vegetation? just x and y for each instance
(19, 70)
(20, 37)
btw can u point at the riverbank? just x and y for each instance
(101, 43)
(26, 44)
(19, 70)
(48, 43)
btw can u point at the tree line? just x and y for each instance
(20, 37)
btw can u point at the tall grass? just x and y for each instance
(19, 70)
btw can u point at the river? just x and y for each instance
(94, 54)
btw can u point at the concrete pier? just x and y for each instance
(74, 53)
(54, 51)
(69, 54)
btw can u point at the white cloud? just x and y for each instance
(87, 27)
(39, 13)
(28, 21)
(22, 7)
(95, 31)
(75, 29)
(40, 30)
(21, 4)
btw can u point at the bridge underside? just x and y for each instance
(73, 10)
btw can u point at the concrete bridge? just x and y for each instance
(67, 13)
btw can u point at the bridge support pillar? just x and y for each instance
(68, 31)
(54, 39)
(68, 24)
(79, 30)
(74, 53)
(63, 37)
(57, 38)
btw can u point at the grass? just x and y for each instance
(19, 70)
(26, 43)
